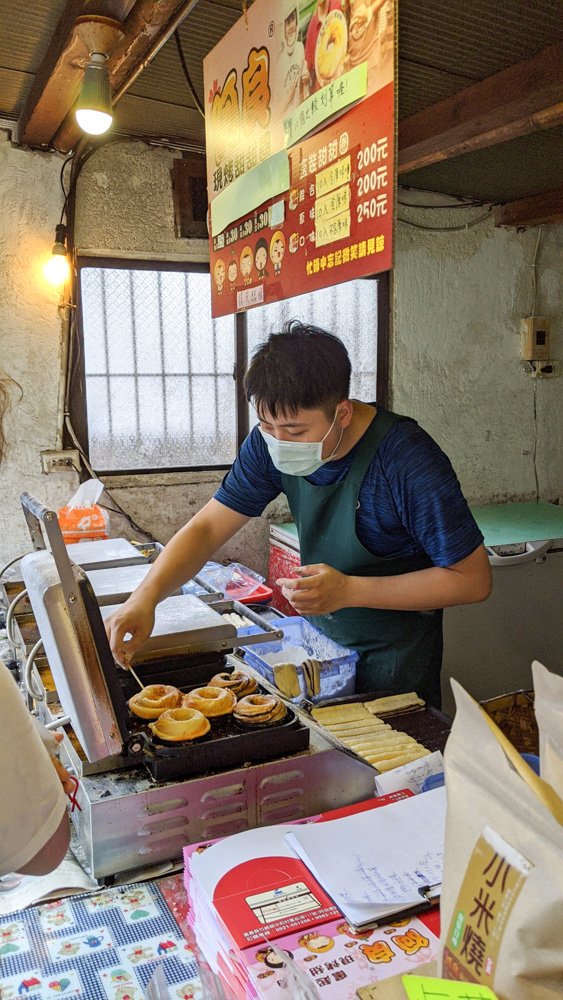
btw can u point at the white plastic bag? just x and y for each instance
(235, 580)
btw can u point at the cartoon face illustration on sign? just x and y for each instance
(232, 274)
(277, 250)
(269, 958)
(246, 262)
(261, 257)
(219, 272)
(316, 943)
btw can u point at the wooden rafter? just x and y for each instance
(46, 119)
(536, 211)
(519, 100)
(147, 21)
(58, 78)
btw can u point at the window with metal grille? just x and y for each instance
(158, 370)
(163, 380)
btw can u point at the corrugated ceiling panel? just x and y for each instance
(476, 38)
(140, 116)
(26, 30)
(13, 91)
(517, 169)
(420, 86)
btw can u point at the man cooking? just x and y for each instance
(386, 537)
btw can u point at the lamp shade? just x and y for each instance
(93, 108)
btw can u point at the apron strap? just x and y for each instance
(376, 431)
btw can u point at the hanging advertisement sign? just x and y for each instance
(299, 138)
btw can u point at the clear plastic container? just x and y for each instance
(337, 664)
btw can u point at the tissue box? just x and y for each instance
(337, 664)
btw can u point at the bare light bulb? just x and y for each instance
(57, 270)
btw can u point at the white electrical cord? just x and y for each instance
(28, 678)
(9, 619)
(11, 563)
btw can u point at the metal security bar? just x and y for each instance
(164, 380)
(349, 310)
(158, 370)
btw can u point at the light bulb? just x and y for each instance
(93, 107)
(93, 122)
(57, 269)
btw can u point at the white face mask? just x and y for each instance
(299, 458)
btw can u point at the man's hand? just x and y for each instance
(135, 619)
(320, 590)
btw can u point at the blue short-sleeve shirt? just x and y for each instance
(410, 500)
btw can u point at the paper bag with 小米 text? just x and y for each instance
(502, 887)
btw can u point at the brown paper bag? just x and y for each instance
(502, 887)
(548, 705)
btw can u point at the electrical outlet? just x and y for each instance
(58, 461)
(535, 338)
(541, 369)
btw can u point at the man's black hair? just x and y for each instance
(300, 368)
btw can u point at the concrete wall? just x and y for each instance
(30, 206)
(459, 298)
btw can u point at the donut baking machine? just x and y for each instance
(141, 798)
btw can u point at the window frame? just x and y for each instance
(77, 376)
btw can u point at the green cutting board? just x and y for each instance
(506, 523)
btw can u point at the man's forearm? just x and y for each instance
(189, 550)
(423, 590)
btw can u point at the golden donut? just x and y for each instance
(180, 724)
(210, 701)
(153, 700)
(257, 709)
(238, 682)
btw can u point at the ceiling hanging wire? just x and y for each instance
(186, 73)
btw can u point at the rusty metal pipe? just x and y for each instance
(154, 48)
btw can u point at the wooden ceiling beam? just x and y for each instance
(59, 76)
(539, 210)
(147, 22)
(514, 102)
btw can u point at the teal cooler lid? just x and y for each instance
(286, 532)
(509, 523)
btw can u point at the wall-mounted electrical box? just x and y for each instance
(535, 338)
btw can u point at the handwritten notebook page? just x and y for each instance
(373, 863)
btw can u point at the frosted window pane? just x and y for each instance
(160, 391)
(94, 324)
(349, 310)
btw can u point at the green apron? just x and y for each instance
(399, 650)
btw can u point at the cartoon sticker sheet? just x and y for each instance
(337, 960)
(102, 947)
